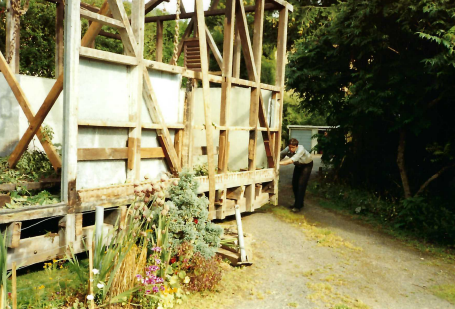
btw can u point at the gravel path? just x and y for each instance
(318, 259)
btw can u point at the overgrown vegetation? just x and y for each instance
(382, 71)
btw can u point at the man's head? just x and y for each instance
(293, 143)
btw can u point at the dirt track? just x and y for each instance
(318, 259)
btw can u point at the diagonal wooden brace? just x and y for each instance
(157, 117)
(37, 121)
(26, 108)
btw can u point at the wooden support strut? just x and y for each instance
(36, 121)
(206, 95)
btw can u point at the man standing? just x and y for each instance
(303, 162)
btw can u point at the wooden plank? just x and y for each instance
(71, 95)
(198, 75)
(214, 48)
(151, 102)
(4, 198)
(95, 154)
(10, 32)
(237, 53)
(258, 31)
(102, 55)
(206, 95)
(46, 183)
(215, 5)
(159, 41)
(79, 224)
(110, 35)
(117, 217)
(102, 123)
(36, 123)
(226, 85)
(212, 12)
(95, 27)
(32, 212)
(236, 193)
(88, 7)
(280, 75)
(104, 20)
(130, 45)
(13, 234)
(246, 42)
(59, 15)
(154, 126)
(152, 153)
(283, 4)
(27, 109)
(135, 85)
(188, 119)
(149, 6)
(178, 144)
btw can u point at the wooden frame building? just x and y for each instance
(250, 189)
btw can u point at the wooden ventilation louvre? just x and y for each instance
(192, 54)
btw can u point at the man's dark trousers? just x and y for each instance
(300, 179)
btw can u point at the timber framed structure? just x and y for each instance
(250, 189)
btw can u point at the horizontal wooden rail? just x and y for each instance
(155, 65)
(101, 123)
(107, 56)
(95, 154)
(107, 21)
(234, 128)
(216, 12)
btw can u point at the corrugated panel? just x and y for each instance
(303, 136)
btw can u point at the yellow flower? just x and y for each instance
(54, 261)
(61, 266)
(41, 287)
(50, 278)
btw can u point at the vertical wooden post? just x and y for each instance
(14, 285)
(59, 16)
(237, 53)
(10, 32)
(223, 155)
(136, 85)
(206, 94)
(188, 117)
(280, 71)
(70, 102)
(178, 143)
(226, 84)
(159, 41)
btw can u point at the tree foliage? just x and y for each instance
(383, 71)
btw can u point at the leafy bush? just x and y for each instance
(205, 273)
(433, 220)
(189, 218)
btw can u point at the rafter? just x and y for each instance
(149, 6)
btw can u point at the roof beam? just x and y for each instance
(210, 12)
(149, 6)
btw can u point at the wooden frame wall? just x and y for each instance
(249, 189)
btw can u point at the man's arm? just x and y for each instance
(284, 152)
(286, 162)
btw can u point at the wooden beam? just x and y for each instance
(111, 124)
(226, 85)
(202, 151)
(59, 16)
(178, 144)
(159, 41)
(12, 47)
(27, 109)
(71, 96)
(215, 5)
(96, 154)
(107, 21)
(214, 48)
(235, 193)
(212, 12)
(135, 85)
(102, 55)
(149, 6)
(188, 118)
(88, 7)
(159, 66)
(110, 35)
(206, 97)
(36, 123)
(130, 45)
(13, 234)
(237, 53)
(282, 4)
(151, 102)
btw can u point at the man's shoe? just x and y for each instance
(295, 209)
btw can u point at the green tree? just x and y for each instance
(384, 71)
